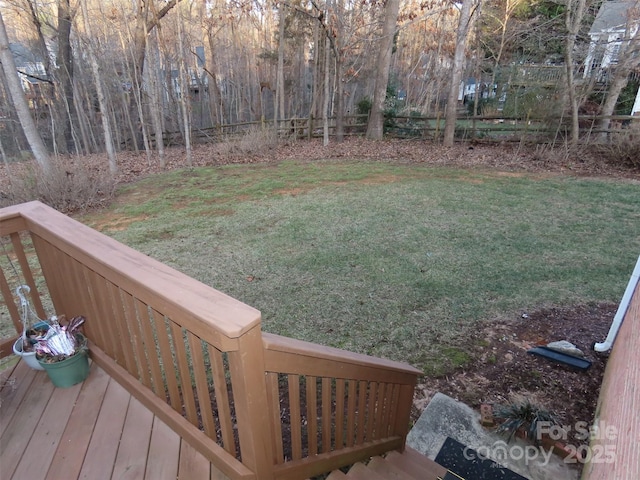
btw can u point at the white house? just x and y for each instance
(30, 66)
(615, 21)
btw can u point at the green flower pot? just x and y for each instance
(69, 371)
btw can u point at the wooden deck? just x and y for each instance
(94, 430)
(195, 357)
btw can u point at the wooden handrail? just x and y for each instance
(133, 271)
(288, 355)
(153, 330)
(198, 359)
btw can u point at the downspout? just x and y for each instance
(622, 310)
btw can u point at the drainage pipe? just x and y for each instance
(620, 313)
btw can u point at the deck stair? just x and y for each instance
(409, 465)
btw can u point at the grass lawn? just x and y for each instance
(399, 261)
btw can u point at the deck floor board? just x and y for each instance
(17, 434)
(94, 430)
(107, 433)
(164, 453)
(44, 443)
(192, 464)
(134, 446)
(73, 445)
(13, 392)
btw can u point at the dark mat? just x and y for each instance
(559, 357)
(469, 465)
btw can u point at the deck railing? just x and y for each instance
(256, 405)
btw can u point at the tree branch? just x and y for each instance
(160, 14)
(35, 77)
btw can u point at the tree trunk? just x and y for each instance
(629, 60)
(12, 129)
(20, 103)
(156, 102)
(97, 78)
(217, 103)
(325, 103)
(64, 74)
(615, 87)
(279, 110)
(185, 92)
(339, 102)
(147, 18)
(375, 128)
(464, 27)
(337, 49)
(313, 109)
(573, 19)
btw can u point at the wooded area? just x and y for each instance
(107, 76)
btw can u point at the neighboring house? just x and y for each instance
(33, 76)
(615, 21)
(30, 66)
(608, 32)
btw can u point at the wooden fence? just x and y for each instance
(487, 128)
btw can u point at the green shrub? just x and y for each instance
(364, 106)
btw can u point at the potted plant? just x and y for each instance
(62, 353)
(24, 346)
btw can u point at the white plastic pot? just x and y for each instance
(28, 357)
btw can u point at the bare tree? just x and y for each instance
(375, 128)
(148, 16)
(464, 27)
(185, 84)
(279, 113)
(64, 75)
(327, 79)
(573, 20)
(20, 103)
(338, 49)
(153, 73)
(500, 35)
(97, 78)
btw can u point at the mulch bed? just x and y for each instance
(501, 370)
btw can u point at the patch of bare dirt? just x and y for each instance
(501, 368)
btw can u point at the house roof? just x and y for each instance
(613, 15)
(22, 56)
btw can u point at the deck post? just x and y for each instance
(247, 369)
(403, 412)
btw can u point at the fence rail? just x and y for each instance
(198, 359)
(488, 128)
